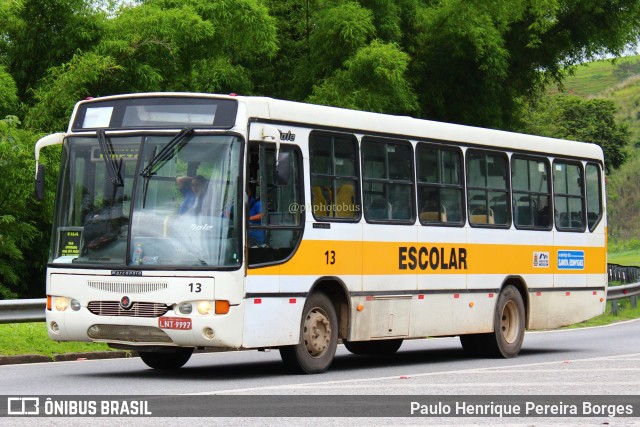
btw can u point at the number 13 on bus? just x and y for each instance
(188, 221)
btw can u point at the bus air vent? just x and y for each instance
(127, 287)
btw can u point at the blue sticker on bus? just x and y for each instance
(570, 260)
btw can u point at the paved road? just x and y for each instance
(593, 361)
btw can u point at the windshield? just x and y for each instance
(114, 209)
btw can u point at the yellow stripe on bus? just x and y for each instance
(336, 258)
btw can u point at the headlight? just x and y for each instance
(204, 307)
(75, 305)
(62, 303)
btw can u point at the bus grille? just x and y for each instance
(138, 309)
(128, 333)
(127, 288)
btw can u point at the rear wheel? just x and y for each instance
(174, 359)
(381, 347)
(508, 328)
(318, 338)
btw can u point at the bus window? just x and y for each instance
(531, 198)
(334, 177)
(439, 185)
(387, 173)
(594, 195)
(487, 188)
(568, 196)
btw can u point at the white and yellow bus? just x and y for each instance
(190, 221)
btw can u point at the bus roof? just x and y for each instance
(271, 109)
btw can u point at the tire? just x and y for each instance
(174, 359)
(318, 338)
(508, 329)
(373, 348)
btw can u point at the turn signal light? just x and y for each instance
(222, 307)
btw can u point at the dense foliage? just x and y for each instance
(579, 119)
(473, 62)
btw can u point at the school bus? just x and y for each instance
(189, 220)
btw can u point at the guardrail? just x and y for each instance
(624, 274)
(22, 310)
(32, 310)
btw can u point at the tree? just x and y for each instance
(8, 93)
(373, 80)
(39, 34)
(588, 120)
(24, 223)
(472, 62)
(161, 45)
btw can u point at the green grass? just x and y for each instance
(625, 312)
(593, 78)
(626, 258)
(32, 338)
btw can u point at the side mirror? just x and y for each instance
(283, 168)
(39, 183)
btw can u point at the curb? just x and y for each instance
(39, 358)
(20, 359)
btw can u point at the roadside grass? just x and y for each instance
(32, 338)
(625, 312)
(626, 258)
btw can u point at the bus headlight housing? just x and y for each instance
(203, 307)
(62, 303)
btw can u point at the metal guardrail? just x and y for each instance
(32, 310)
(624, 291)
(22, 310)
(624, 274)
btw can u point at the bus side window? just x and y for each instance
(568, 195)
(388, 180)
(334, 176)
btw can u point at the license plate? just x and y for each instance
(174, 323)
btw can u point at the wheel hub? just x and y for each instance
(317, 333)
(509, 322)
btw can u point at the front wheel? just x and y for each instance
(318, 338)
(174, 359)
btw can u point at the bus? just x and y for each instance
(191, 221)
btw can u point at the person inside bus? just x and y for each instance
(257, 237)
(193, 190)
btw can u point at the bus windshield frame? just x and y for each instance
(110, 212)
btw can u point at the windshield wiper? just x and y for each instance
(167, 152)
(159, 159)
(113, 168)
